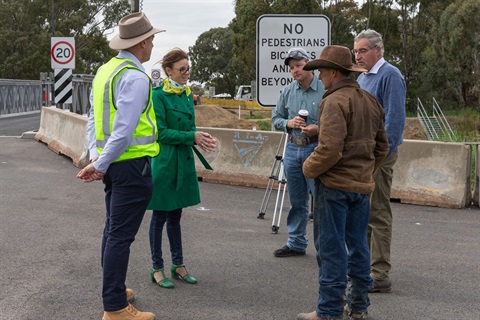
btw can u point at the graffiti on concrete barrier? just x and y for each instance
(248, 144)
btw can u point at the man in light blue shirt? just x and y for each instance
(304, 92)
(129, 87)
(387, 84)
(122, 138)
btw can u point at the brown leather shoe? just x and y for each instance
(383, 286)
(130, 295)
(128, 313)
(313, 316)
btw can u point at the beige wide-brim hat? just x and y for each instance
(133, 29)
(334, 57)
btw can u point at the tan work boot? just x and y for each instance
(352, 316)
(128, 313)
(130, 295)
(311, 316)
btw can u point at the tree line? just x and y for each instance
(435, 43)
(26, 30)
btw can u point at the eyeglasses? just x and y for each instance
(361, 51)
(183, 70)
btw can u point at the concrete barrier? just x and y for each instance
(426, 173)
(64, 133)
(476, 190)
(243, 157)
(433, 173)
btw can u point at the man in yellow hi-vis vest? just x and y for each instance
(122, 136)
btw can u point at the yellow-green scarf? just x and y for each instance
(176, 88)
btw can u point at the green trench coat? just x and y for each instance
(175, 182)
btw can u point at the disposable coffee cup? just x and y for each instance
(303, 114)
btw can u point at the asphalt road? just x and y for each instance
(15, 125)
(50, 234)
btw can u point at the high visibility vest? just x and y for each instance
(144, 139)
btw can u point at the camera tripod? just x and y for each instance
(276, 175)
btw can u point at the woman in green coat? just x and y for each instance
(174, 174)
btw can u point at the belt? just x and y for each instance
(303, 141)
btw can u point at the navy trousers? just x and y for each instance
(128, 190)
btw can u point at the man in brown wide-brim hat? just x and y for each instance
(122, 138)
(351, 144)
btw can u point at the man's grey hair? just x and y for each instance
(374, 38)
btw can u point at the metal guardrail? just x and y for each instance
(82, 86)
(17, 96)
(20, 96)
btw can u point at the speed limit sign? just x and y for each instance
(63, 53)
(156, 74)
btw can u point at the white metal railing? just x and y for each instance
(437, 112)
(426, 121)
(436, 126)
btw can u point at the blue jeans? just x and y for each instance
(299, 189)
(174, 233)
(340, 231)
(128, 189)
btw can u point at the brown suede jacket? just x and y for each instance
(352, 141)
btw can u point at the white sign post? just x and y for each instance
(63, 52)
(276, 34)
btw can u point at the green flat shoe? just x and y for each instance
(164, 283)
(188, 278)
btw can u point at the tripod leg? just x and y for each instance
(281, 208)
(281, 183)
(281, 186)
(266, 198)
(273, 177)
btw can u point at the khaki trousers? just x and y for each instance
(379, 230)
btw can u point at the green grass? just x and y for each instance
(467, 112)
(411, 114)
(264, 125)
(254, 116)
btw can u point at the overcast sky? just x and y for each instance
(184, 21)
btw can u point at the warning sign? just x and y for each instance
(276, 34)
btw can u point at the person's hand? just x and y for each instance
(296, 123)
(310, 130)
(89, 173)
(206, 142)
